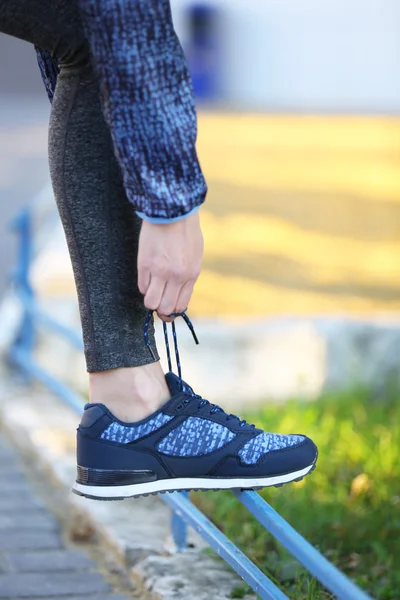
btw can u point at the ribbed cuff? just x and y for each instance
(164, 221)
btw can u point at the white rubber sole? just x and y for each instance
(119, 492)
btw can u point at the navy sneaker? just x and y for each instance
(187, 444)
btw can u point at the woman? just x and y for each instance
(128, 186)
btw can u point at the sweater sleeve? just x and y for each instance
(148, 103)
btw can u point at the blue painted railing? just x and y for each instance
(184, 512)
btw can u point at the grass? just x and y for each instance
(349, 508)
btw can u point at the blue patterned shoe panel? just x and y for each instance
(124, 434)
(251, 452)
(195, 437)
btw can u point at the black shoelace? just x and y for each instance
(191, 396)
(188, 322)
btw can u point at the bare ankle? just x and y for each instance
(131, 393)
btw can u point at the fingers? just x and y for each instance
(169, 262)
(166, 297)
(166, 319)
(154, 293)
(162, 296)
(175, 299)
(185, 295)
(168, 302)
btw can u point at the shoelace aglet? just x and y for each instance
(153, 356)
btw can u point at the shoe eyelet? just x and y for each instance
(180, 406)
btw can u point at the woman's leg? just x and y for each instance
(100, 225)
(102, 230)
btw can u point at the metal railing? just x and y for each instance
(21, 353)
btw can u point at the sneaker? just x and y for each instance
(188, 444)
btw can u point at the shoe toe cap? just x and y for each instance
(293, 458)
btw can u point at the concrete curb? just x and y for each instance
(136, 531)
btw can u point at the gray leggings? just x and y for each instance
(100, 225)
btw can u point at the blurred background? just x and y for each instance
(307, 205)
(299, 138)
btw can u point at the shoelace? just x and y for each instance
(188, 322)
(215, 408)
(202, 402)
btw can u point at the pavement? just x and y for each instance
(36, 562)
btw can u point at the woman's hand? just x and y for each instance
(169, 263)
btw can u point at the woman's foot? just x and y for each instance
(186, 444)
(141, 391)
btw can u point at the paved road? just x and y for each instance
(34, 561)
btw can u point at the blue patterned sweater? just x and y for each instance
(148, 103)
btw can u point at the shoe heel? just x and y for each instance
(110, 478)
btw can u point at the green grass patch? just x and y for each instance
(349, 507)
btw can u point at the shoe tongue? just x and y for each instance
(177, 386)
